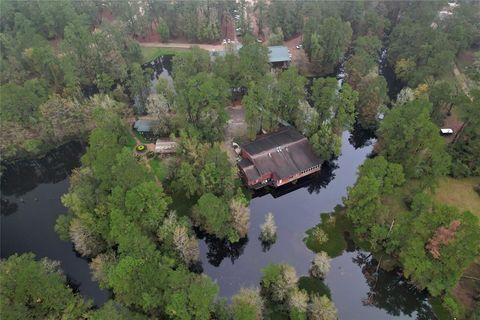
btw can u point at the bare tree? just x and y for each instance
(186, 246)
(240, 217)
(86, 242)
(268, 229)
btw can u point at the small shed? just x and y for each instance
(165, 146)
(144, 125)
(279, 56)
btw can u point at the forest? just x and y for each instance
(75, 70)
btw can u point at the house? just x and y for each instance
(277, 158)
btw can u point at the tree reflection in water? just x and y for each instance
(391, 291)
(360, 137)
(219, 249)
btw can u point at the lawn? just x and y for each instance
(151, 53)
(459, 193)
(158, 168)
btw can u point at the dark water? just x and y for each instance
(356, 297)
(30, 192)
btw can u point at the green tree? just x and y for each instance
(37, 290)
(202, 104)
(434, 254)
(147, 205)
(247, 304)
(163, 30)
(278, 280)
(138, 83)
(326, 42)
(373, 95)
(421, 151)
(20, 103)
(212, 214)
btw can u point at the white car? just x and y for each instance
(446, 131)
(224, 41)
(229, 41)
(299, 46)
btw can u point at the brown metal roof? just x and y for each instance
(284, 153)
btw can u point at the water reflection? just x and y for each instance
(360, 137)
(391, 292)
(30, 204)
(26, 175)
(219, 249)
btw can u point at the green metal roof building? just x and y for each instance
(278, 54)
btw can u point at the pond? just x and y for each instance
(356, 297)
(30, 199)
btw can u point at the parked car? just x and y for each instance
(446, 131)
(299, 46)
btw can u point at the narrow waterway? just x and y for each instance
(30, 204)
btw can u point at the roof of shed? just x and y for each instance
(144, 125)
(278, 54)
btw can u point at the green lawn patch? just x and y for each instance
(334, 225)
(159, 169)
(459, 193)
(131, 143)
(150, 54)
(314, 286)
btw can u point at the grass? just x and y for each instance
(151, 53)
(131, 143)
(459, 193)
(158, 168)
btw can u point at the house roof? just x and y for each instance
(275, 53)
(283, 153)
(144, 125)
(278, 54)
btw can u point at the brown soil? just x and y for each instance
(468, 290)
(453, 122)
(299, 58)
